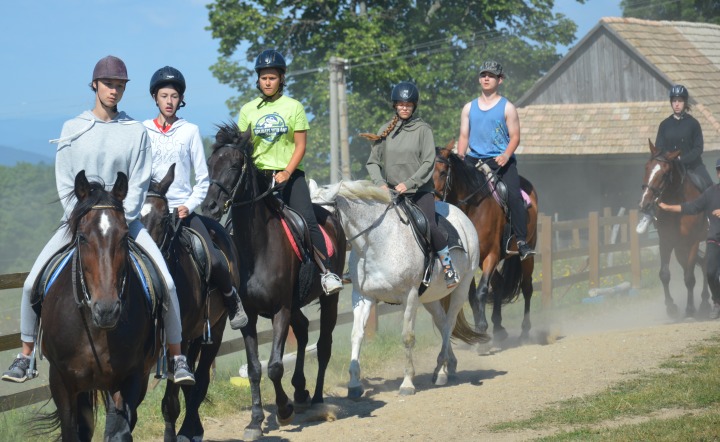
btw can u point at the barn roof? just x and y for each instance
(665, 53)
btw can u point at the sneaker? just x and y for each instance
(331, 283)
(714, 313)
(525, 250)
(451, 276)
(236, 311)
(180, 373)
(18, 371)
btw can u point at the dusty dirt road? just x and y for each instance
(576, 358)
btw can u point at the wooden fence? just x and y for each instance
(585, 238)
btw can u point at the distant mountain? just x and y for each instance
(10, 157)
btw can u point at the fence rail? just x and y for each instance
(598, 234)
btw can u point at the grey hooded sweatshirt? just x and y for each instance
(103, 152)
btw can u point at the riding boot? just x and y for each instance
(236, 311)
(525, 250)
(451, 276)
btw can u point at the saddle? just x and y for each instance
(421, 230)
(198, 249)
(154, 287)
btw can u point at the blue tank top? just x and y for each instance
(489, 135)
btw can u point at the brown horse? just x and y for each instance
(665, 180)
(97, 322)
(466, 187)
(275, 283)
(202, 310)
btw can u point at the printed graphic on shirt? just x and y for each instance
(167, 150)
(270, 127)
(501, 137)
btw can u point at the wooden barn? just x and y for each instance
(585, 125)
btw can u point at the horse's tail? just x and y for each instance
(41, 424)
(463, 330)
(506, 281)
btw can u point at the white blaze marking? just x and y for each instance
(104, 224)
(146, 208)
(654, 171)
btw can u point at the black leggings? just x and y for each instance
(712, 267)
(509, 175)
(426, 202)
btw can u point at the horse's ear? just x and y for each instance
(673, 155)
(82, 186)
(164, 185)
(120, 189)
(450, 145)
(653, 149)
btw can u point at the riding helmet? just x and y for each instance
(167, 76)
(270, 58)
(405, 91)
(679, 90)
(111, 68)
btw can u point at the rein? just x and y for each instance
(168, 226)
(448, 182)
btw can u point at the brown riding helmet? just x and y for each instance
(111, 68)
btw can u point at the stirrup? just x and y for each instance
(331, 283)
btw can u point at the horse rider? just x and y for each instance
(279, 128)
(403, 157)
(176, 141)
(708, 202)
(103, 141)
(490, 131)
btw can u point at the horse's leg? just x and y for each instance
(361, 313)
(170, 407)
(665, 251)
(705, 306)
(689, 255)
(253, 430)
(275, 369)
(118, 414)
(408, 336)
(439, 317)
(85, 416)
(527, 291)
(299, 323)
(328, 320)
(66, 405)
(192, 428)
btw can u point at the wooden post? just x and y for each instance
(594, 249)
(635, 267)
(546, 240)
(607, 231)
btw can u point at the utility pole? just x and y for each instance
(344, 136)
(334, 131)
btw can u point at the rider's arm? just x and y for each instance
(462, 146)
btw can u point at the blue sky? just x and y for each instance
(50, 48)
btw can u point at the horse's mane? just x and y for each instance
(230, 134)
(469, 175)
(98, 197)
(364, 190)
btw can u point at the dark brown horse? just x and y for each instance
(466, 187)
(202, 310)
(98, 332)
(665, 180)
(274, 283)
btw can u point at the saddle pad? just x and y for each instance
(296, 247)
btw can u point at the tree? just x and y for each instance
(437, 44)
(702, 11)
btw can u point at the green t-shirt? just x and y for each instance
(273, 128)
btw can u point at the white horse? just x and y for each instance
(387, 265)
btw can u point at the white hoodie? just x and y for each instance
(102, 149)
(180, 145)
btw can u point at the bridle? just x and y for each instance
(666, 178)
(84, 298)
(448, 183)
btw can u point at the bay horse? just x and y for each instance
(97, 324)
(467, 188)
(387, 265)
(665, 180)
(274, 282)
(202, 311)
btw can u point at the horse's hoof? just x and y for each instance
(303, 406)
(407, 391)
(285, 421)
(355, 392)
(182, 438)
(442, 379)
(252, 434)
(672, 311)
(500, 335)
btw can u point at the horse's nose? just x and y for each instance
(211, 209)
(105, 314)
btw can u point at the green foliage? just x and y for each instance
(438, 45)
(702, 11)
(31, 213)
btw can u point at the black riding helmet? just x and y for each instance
(405, 91)
(167, 75)
(679, 90)
(270, 58)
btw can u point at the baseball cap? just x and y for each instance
(493, 67)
